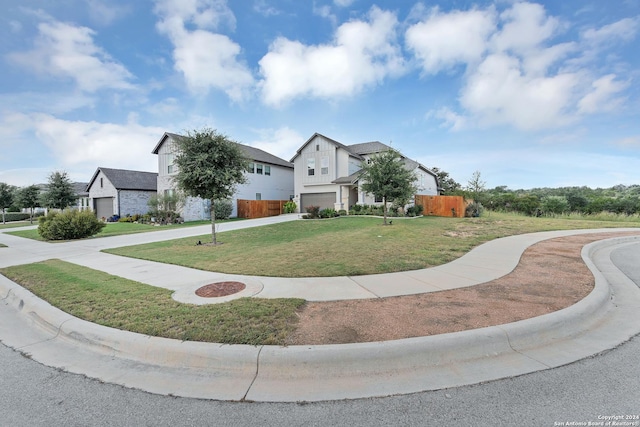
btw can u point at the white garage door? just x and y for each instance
(103, 207)
(324, 200)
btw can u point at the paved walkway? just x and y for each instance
(608, 316)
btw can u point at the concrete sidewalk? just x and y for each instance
(607, 317)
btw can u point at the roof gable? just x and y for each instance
(253, 153)
(333, 141)
(123, 179)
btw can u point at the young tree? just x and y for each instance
(387, 177)
(6, 198)
(476, 186)
(27, 197)
(210, 165)
(60, 193)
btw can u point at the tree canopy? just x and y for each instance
(387, 177)
(6, 198)
(210, 166)
(60, 193)
(27, 197)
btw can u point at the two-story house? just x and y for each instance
(327, 173)
(269, 178)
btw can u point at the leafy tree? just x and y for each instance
(60, 193)
(27, 197)
(210, 165)
(387, 177)
(448, 185)
(6, 198)
(555, 205)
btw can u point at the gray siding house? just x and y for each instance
(327, 173)
(121, 192)
(269, 178)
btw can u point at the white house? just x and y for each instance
(269, 178)
(121, 192)
(327, 173)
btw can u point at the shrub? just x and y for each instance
(69, 225)
(328, 213)
(474, 210)
(223, 208)
(313, 211)
(342, 212)
(290, 207)
(15, 216)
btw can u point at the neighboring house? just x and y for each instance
(269, 178)
(121, 192)
(327, 173)
(82, 196)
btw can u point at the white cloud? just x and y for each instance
(67, 51)
(264, 9)
(282, 142)
(625, 30)
(93, 144)
(515, 74)
(444, 40)
(629, 142)
(602, 97)
(525, 27)
(104, 13)
(206, 59)
(343, 3)
(362, 54)
(498, 92)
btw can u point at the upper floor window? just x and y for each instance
(324, 165)
(101, 183)
(251, 167)
(267, 170)
(170, 168)
(259, 168)
(311, 166)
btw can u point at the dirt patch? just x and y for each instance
(549, 277)
(220, 289)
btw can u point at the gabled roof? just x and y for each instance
(351, 179)
(253, 153)
(333, 141)
(80, 188)
(123, 179)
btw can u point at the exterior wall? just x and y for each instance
(426, 183)
(133, 202)
(105, 190)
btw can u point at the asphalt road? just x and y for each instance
(590, 390)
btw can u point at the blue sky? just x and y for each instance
(531, 94)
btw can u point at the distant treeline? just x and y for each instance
(619, 199)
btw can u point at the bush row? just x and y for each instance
(68, 225)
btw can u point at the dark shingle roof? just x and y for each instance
(252, 153)
(123, 179)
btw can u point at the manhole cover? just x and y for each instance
(220, 289)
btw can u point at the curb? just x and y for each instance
(607, 317)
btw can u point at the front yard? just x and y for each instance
(347, 246)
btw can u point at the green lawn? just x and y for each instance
(124, 304)
(14, 224)
(348, 245)
(117, 229)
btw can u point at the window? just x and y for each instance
(258, 196)
(267, 170)
(251, 167)
(311, 166)
(170, 168)
(101, 183)
(324, 165)
(317, 147)
(378, 199)
(259, 168)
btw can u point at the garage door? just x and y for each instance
(324, 200)
(104, 207)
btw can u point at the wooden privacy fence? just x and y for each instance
(453, 206)
(260, 208)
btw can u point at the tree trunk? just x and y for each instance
(384, 209)
(213, 224)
